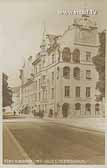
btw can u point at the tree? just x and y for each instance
(99, 61)
(6, 91)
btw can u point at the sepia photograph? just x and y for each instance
(53, 81)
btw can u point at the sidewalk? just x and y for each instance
(95, 124)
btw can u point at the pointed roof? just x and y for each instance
(43, 43)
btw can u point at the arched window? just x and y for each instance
(66, 72)
(77, 106)
(65, 110)
(76, 56)
(66, 54)
(76, 73)
(97, 108)
(88, 108)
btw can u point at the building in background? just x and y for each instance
(6, 94)
(16, 99)
(61, 78)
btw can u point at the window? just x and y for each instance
(97, 108)
(77, 106)
(52, 93)
(57, 72)
(39, 96)
(36, 85)
(88, 91)
(67, 91)
(88, 74)
(39, 107)
(43, 78)
(35, 97)
(39, 83)
(66, 72)
(77, 91)
(52, 75)
(88, 107)
(35, 70)
(66, 54)
(45, 107)
(39, 67)
(43, 61)
(77, 73)
(53, 57)
(76, 56)
(88, 56)
(43, 95)
(46, 94)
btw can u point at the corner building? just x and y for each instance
(64, 74)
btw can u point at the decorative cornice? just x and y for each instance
(84, 44)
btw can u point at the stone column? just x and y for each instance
(70, 111)
(93, 110)
(83, 110)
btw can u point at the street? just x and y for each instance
(43, 140)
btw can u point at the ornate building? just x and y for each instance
(61, 79)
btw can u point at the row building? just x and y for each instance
(61, 78)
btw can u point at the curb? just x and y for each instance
(59, 122)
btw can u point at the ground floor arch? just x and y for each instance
(65, 110)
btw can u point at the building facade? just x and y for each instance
(61, 78)
(15, 99)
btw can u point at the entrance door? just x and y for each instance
(78, 109)
(65, 109)
(88, 109)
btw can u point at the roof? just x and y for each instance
(37, 58)
(85, 22)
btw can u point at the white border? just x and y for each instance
(59, 166)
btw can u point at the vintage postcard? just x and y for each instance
(53, 82)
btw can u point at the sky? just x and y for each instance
(21, 28)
